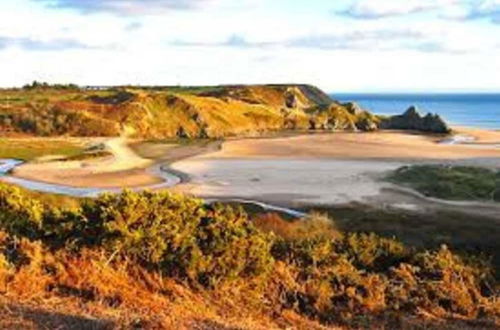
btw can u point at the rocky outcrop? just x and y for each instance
(413, 120)
(290, 99)
(367, 124)
(353, 108)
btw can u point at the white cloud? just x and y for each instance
(126, 7)
(257, 44)
(369, 9)
(489, 9)
(139, 7)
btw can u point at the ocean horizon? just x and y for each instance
(480, 110)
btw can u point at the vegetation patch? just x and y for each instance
(88, 156)
(450, 182)
(131, 258)
(29, 149)
(465, 233)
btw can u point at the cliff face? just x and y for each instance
(167, 112)
(413, 120)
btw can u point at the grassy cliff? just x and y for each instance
(167, 112)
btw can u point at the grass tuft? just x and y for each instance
(450, 182)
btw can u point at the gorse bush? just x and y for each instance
(178, 235)
(20, 215)
(332, 287)
(181, 235)
(370, 252)
(364, 278)
(351, 279)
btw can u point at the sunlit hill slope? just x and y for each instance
(168, 112)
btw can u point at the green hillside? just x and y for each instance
(168, 112)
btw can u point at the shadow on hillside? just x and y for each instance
(23, 317)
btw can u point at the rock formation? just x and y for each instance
(353, 108)
(413, 120)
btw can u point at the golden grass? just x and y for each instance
(31, 148)
(233, 117)
(89, 291)
(315, 225)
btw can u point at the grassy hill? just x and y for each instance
(168, 112)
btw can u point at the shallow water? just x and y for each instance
(6, 165)
(170, 180)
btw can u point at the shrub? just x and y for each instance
(440, 283)
(371, 252)
(180, 235)
(358, 280)
(327, 285)
(362, 278)
(19, 214)
(313, 225)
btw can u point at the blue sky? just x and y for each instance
(341, 46)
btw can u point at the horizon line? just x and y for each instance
(327, 90)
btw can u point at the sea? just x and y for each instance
(472, 110)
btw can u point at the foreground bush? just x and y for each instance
(97, 251)
(179, 235)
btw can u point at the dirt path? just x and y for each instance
(124, 158)
(123, 169)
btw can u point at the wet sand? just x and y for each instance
(290, 182)
(377, 145)
(328, 169)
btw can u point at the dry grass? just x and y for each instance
(315, 225)
(87, 291)
(30, 148)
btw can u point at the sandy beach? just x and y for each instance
(291, 182)
(328, 169)
(377, 145)
(334, 168)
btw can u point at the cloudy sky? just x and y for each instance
(339, 45)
